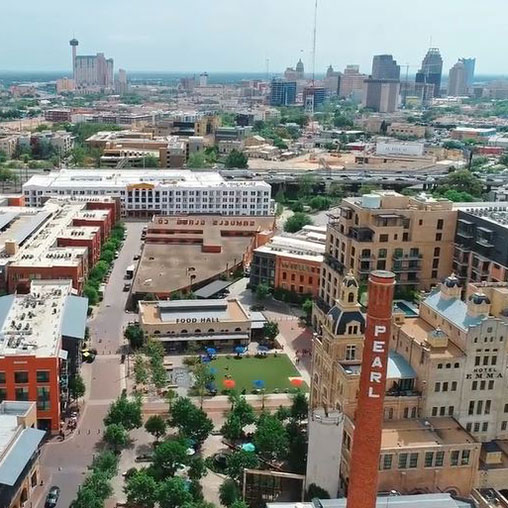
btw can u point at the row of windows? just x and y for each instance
(485, 360)
(293, 277)
(443, 387)
(431, 459)
(480, 385)
(476, 426)
(441, 411)
(456, 365)
(22, 377)
(478, 407)
(21, 394)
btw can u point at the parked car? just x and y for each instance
(52, 497)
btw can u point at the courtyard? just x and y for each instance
(274, 371)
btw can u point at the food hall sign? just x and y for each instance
(484, 373)
(196, 320)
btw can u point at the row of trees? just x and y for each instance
(101, 268)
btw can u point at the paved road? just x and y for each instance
(65, 463)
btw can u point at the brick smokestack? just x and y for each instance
(363, 477)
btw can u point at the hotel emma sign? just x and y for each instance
(196, 320)
(484, 373)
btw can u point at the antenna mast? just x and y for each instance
(314, 45)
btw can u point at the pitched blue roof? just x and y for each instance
(74, 318)
(453, 309)
(19, 455)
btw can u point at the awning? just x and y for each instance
(187, 338)
(212, 289)
(398, 367)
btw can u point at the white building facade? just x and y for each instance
(143, 193)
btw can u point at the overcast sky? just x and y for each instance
(239, 35)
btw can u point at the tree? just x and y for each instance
(173, 493)
(106, 462)
(191, 421)
(125, 412)
(197, 468)
(3, 156)
(461, 180)
(171, 396)
(229, 492)
(283, 413)
(140, 371)
(156, 425)
(107, 256)
(141, 489)
(262, 291)
(307, 307)
(87, 498)
(319, 203)
(91, 293)
(300, 406)
(366, 188)
(98, 482)
(168, 456)
(116, 436)
(239, 460)
(453, 145)
(77, 386)
(337, 190)
(271, 330)
(236, 160)
(315, 491)
(297, 452)
(305, 185)
(297, 206)
(135, 335)
(150, 161)
(296, 222)
(504, 159)
(232, 428)
(196, 161)
(203, 377)
(242, 409)
(239, 504)
(270, 437)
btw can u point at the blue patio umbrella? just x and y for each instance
(211, 351)
(206, 359)
(248, 447)
(258, 383)
(213, 370)
(240, 349)
(263, 349)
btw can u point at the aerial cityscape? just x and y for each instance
(272, 272)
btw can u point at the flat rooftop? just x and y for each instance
(80, 232)
(32, 324)
(117, 179)
(415, 434)
(172, 312)
(295, 248)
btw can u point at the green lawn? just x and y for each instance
(275, 371)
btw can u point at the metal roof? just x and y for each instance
(74, 317)
(443, 500)
(212, 289)
(453, 309)
(398, 367)
(6, 218)
(5, 306)
(32, 223)
(19, 455)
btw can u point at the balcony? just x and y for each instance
(411, 266)
(334, 263)
(406, 256)
(408, 282)
(361, 234)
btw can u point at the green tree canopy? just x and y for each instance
(141, 489)
(229, 492)
(270, 437)
(262, 291)
(300, 406)
(296, 222)
(197, 161)
(191, 421)
(116, 436)
(238, 461)
(173, 493)
(77, 386)
(461, 180)
(125, 412)
(156, 425)
(168, 456)
(236, 160)
(106, 462)
(135, 335)
(271, 330)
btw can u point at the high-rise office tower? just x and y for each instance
(203, 79)
(385, 67)
(457, 80)
(431, 70)
(300, 70)
(283, 92)
(469, 64)
(91, 70)
(382, 88)
(121, 86)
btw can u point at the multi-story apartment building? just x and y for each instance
(163, 192)
(292, 263)
(43, 331)
(481, 242)
(412, 236)
(19, 464)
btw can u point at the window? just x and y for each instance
(439, 459)
(476, 427)
(469, 426)
(454, 386)
(350, 352)
(493, 360)
(479, 407)
(434, 411)
(474, 385)
(439, 365)
(405, 237)
(491, 385)
(403, 460)
(451, 409)
(445, 386)
(387, 461)
(454, 458)
(435, 263)
(434, 274)
(21, 377)
(442, 410)
(439, 237)
(471, 407)
(465, 457)
(2, 378)
(429, 459)
(477, 360)
(503, 425)
(381, 253)
(383, 238)
(43, 376)
(437, 251)
(413, 460)
(3, 394)
(506, 408)
(21, 394)
(440, 224)
(485, 426)
(437, 387)
(43, 402)
(487, 407)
